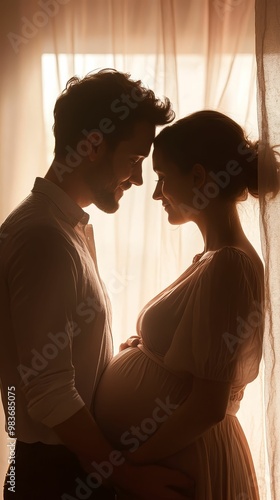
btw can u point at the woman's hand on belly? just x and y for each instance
(132, 341)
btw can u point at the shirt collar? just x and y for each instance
(66, 205)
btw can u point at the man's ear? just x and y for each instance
(199, 175)
(96, 144)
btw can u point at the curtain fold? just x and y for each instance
(201, 54)
(268, 67)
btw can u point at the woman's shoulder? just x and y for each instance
(235, 260)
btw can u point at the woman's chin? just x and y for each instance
(173, 217)
(175, 221)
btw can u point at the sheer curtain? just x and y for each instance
(268, 59)
(201, 53)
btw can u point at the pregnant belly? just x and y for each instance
(135, 395)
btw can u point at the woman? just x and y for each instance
(174, 398)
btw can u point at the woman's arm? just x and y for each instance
(204, 408)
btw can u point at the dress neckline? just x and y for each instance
(201, 256)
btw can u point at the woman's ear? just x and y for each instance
(199, 175)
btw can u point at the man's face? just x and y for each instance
(113, 172)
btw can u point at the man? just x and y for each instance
(55, 316)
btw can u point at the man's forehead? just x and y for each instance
(143, 136)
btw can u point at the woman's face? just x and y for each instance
(174, 188)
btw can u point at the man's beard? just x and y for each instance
(106, 201)
(103, 194)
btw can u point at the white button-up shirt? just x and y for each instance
(55, 317)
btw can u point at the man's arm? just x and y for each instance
(82, 436)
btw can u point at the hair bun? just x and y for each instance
(250, 167)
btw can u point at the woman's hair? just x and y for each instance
(108, 102)
(219, 144)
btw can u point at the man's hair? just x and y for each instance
(109, 102)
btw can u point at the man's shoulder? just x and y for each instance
(30, 221)
(31, 213)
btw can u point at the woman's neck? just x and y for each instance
(221, 227)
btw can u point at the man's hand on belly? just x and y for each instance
(152, 482)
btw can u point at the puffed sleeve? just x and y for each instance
(219, 336)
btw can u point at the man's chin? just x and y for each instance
(111, 210)
(108, 206)
(113, 204)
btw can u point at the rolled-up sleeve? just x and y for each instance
(42, 279)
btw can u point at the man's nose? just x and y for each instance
(136, 178)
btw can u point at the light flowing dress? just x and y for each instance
(207, 324)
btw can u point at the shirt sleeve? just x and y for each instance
(42, 278)
(219, 336)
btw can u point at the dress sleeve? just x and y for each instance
(219, 336)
